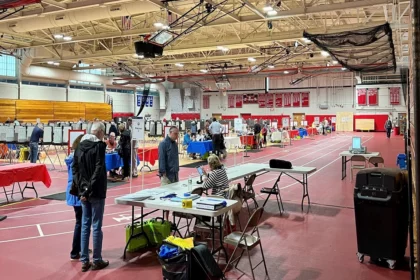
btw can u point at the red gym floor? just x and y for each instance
(35, 239)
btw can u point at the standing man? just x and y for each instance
(388, 127)
(168, 158)
(194, 127)
(257, 133)
(36, 137)
(215, 130)
(89, 174)
(134, 148)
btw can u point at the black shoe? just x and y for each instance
(100, 265)
(86, 266)
(75, 258)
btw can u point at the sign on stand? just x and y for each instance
(138, 128)
(238, 124)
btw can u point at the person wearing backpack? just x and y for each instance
(388, 127)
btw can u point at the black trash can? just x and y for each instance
(381, 213)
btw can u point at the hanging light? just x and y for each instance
(251, 59)
(267, 7)
(272, 13)
(270, 66)
(158, 24)
(203, 70)
(58, 36)
(67, 38)
(286, 72)
(324, 53)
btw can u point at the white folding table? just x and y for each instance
(344, 160)
(157, 203)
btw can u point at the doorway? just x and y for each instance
(217, 116)
(298, 118)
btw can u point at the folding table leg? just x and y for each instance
(28, 187)
(343, 167)
(305, 190)
(5, 194)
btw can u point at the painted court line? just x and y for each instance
(38, 226)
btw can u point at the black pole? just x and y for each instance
(2, 218)
(415, 122)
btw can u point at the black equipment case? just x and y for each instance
(381, 213)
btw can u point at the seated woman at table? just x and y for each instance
(284, 135)
(111, 143)
(200, 135)
(217, 179)
(124, 150)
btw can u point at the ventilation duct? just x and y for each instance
(78, 16)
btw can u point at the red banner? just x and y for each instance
(239, 100)
(372, 94)
(361, 96)
(261, 100)
(231, 101)
(279, 100)
(305, 99)
(250, 98)
(296, 99)
(287, 99)
(206, 101)
(269, 101)
(394, 96)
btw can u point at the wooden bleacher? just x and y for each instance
(30, 110)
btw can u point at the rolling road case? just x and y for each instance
(381, 213)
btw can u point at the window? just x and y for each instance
(7, 66)
(100, 72)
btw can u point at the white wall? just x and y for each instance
(30, 92)
(153, 111)
(122, 102)
(336, 91)
(383, 101)
(80, 95)
(8, 91)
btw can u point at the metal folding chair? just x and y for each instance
(246, 242)
(248, 192)
(187, 217)
(375, 161)
(357, 162)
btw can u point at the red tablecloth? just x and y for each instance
(293, 133)
(24, 172)
(311, 131)
(150, 154)
(248, 140)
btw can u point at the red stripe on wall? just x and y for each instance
(122, 115)
(185, 116)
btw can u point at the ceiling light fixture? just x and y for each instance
(67, 38)
(324, 53)
(50, 62)
(335, 62)
(306, 40)
(179, 64)
(270, 66)
(58, 36)
(203, 70)
(343, 68)
(251, 59)
(272, 13)
(56, 63)
(267, 8)
(166, 27)
(286, 72)
(158, 24)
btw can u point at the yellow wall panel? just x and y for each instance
(7, 109)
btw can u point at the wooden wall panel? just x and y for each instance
(69, 111)
(30, 110)
(7, 109)
(101, 111)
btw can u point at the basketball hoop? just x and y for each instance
(223, 86)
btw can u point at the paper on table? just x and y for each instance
(144, 194)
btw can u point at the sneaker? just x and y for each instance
(75, 258)
(100, 265)
(86, 266)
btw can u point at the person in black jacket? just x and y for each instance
(89, 174)
(125, 149)
(113, 128)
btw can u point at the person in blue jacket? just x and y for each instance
(74, 201)
(187, 141)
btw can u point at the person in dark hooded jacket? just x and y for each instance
(125, 150)
(89, 173)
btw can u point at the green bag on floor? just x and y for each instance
(205, 156)
(156, 232)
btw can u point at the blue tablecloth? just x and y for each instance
(200, 147)
(114, 161)
(303, 132)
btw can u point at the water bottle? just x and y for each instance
(190, 183)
